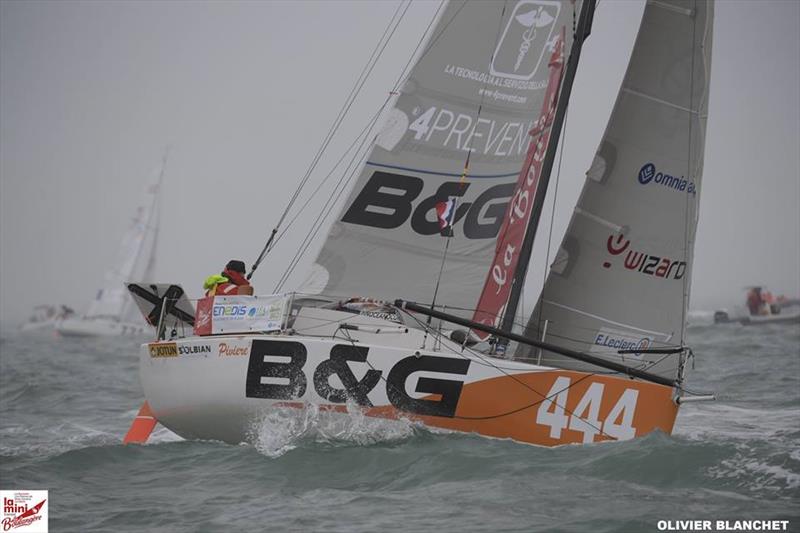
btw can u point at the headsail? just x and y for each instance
(134, 258)
(620, 280)
(472, 91)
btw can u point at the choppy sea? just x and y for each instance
(66, 403)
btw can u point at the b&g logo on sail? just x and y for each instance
(522, 44)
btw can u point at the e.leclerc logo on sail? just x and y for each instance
(649, 174)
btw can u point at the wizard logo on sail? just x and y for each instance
(647, 264)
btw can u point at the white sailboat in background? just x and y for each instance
(444, 211)
(113, 312)
(45, 318)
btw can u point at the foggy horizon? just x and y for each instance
(92, 92)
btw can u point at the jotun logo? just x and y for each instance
(166, 349)
(649, 174)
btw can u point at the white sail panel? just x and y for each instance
(134, 259)
(475, 92)
(620, 280)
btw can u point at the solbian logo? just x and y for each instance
(525, 39)
(649, 174)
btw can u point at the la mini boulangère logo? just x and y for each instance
(25, 511)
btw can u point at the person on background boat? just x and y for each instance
(772, 307)
(754, 300)
(230, 282)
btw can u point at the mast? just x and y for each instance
(518, 282)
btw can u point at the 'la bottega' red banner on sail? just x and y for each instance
(497, 287)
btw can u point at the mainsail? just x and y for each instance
(460, 129)
(134, 258)
(620, 280)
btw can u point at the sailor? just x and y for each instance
(230, 282)
(754, 301)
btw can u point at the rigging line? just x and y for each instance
(322, 324)
(318, 223)
(562, 96)
(366, 70)
(464, 173)
(407, 66)
(372, 120)
(483, 93)
(643, 365)
(544, 397)
(370, 126)
(433, 41)
(562, 142)
(340, 186)
(330, 203)
(332, 171)
(587, 340)
(361, 80)
(690, 118)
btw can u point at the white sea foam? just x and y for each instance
(756, 474)
(280, 430)
(730, 422)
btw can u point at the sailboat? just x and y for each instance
(409, 312)
(112, 312)
(45, 318)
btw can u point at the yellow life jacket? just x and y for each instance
(211, 283)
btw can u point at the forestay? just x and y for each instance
(134, 260)
(620, 279)
(477, 89)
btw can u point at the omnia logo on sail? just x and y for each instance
(648, 174)
(649, 265)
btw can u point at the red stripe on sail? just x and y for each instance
(497, 287)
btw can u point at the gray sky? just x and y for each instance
(91, 92)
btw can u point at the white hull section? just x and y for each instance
(222, 387)
(101, 327)
(780, 318)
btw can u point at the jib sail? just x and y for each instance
(620, 280)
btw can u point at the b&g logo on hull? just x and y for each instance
(524, 40)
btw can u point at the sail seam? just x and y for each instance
(673, 8)
(665, 102)
(666, 336)
(603, 222)
(434, 173)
